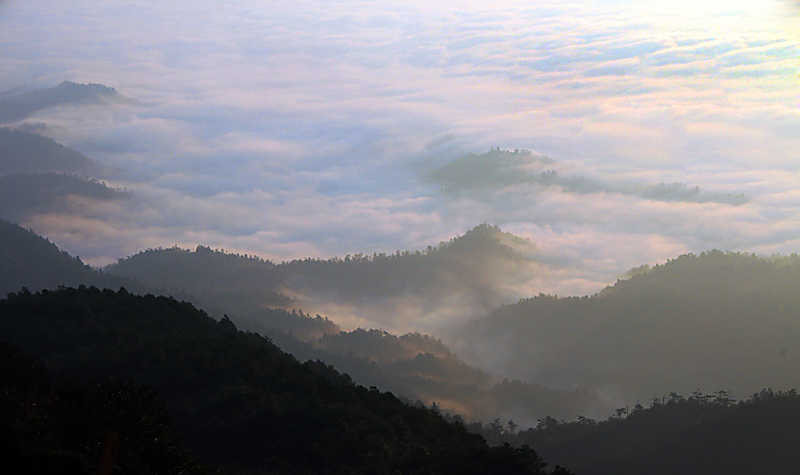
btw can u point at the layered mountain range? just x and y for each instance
(458, 327)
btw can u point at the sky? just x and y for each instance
(325, 128)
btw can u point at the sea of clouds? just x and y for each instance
(312, 128)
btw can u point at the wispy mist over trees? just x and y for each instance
(710, 321)
(421, 367)
(464, 277)
(223, 282)
(475, 265)
(360, 322)
(237, 400)
(470, 267)
(413, 365)
(26, 193)
(40, 176)
(718, 322)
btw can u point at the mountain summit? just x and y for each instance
(17, 105)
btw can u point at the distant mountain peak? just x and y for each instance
(488, 238)
(29, 260)
(69, 91)
(22, 151)
(17, 105)
(96, 87)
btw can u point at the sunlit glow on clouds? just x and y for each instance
(288, 129)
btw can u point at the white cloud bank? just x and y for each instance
(288, 129)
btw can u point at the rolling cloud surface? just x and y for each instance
(314, 128)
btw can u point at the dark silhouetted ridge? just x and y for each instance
(28, 260)
(26, 193)
(26, 152)
(694, 435)
(235, 398)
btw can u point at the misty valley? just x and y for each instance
(175, 360)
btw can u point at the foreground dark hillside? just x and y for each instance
(59, 426)
(235, 398)
(697, 435)
(710, 321)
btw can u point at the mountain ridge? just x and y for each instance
(237, 400)
(710, 321)
(18, 105)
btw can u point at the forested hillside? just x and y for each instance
(39, 176)
(414, 365)
(462, 278)
(25, 152)
(235, 398)
(698, 434)
(722, 323)
(421, 367)
(227, 283)
(17, 105)
(23, 194)
(711, 321)
(468, 266)
(62, 426)
(28, 260)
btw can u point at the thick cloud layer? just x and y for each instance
(310, 128)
